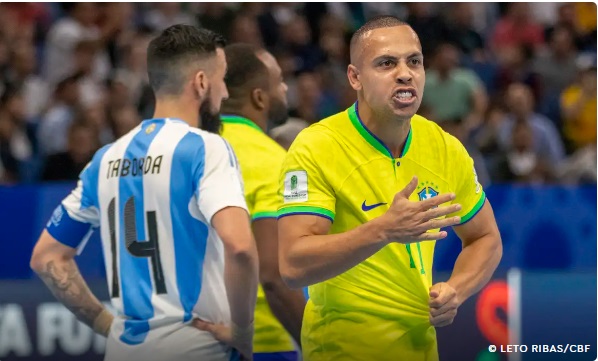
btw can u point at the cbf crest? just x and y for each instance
(427, 190)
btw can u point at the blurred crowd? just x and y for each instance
(515, 82)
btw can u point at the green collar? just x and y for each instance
(371, 137)
(235, 119)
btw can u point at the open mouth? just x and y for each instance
(404, 96)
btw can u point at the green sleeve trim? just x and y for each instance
(260, 215)
(475, 209)
(318, 211)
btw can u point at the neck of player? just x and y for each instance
(246, 111)
(174, 108)
(391, 131)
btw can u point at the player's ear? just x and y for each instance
(259, 98)
(200, 84)
(353, 76)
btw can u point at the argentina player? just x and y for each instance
(168, 200)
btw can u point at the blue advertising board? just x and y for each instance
(549, 233)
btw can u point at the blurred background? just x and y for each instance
(515, 82)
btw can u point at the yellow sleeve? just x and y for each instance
(304, 186)
(468, 190)
(265, 198)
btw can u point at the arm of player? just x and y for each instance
(241, 263)
(240, 280)
(65, 234)
(481, 253)
(55, 265)
(308, 254)
(286, 304)
(482, 246)
(222, 202)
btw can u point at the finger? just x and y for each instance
(429, 236)
(437, 200)
(440, 223)
(443, 320)
(203, 325)
(409, 188)
(448, 307)
(435, 290)
(441, 211)
(443, 299)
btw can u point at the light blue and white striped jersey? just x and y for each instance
(153, 193)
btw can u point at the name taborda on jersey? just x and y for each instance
(134, 167)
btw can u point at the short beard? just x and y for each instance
(209, 120)
(278, 113)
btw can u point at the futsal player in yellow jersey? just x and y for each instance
(365, 194)
(257, 95)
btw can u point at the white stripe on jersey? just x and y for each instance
(164, 143)
(111, 186)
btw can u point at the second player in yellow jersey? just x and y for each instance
(257, 94)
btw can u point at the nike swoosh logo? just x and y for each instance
(366, 208)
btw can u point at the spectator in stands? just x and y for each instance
(567, 18)
(216, 16)
(545, 139)
(429, 26)
(297, 39)
(165, 14)
(133, 75)
(522, 162)
(514, 64)
(453, 92)
(95, 114)
(12, 28)
(65, 34)
(82, 144)
(578, 104)
(36, 93)
(517, 28)
(17, 140)
(334, 70)
(107, 42)
(556, 66)
(580, 168)
(585, 16)
(4, 60)
(91, 90)
(53, 128)
(118, 92)
(123, 119)
(245, 29)
(310, 99)
(460, 31)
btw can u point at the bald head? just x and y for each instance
(378, 22)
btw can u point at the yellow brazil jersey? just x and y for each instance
(260, 159)
(338, 169)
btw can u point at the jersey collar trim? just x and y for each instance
(235, 119)
(371, 137)
(157, 120)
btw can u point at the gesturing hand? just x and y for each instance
(408, 222)
(443, 304)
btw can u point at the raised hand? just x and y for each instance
(408, 222)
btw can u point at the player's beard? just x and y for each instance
(278, 112)
(209, 119)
